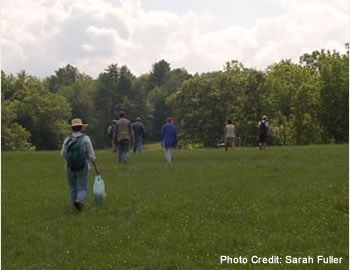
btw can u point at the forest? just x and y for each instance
(306, 102)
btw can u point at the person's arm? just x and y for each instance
(97, 170)
(132, 137)
(91, 153)
(131, 133)
(162, 135)
(64, 148)
(175, 134)
(224, 133)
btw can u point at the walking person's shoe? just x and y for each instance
(78, 205)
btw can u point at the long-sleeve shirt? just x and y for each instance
(139, 129)
(90, 153)
(169, 136)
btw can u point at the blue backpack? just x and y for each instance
(76, 155)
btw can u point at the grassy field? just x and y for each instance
(208, 203)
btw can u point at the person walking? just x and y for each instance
(78, 153)
(139, 131)
(124, 136)
(230, 135)
(110, 131)
(263, 129)
(168, 138)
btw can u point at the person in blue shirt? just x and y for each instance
(168, 138)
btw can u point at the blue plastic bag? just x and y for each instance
(99, 189)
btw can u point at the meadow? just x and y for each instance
(208, 203)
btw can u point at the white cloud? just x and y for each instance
(41, 36)
(88, 48)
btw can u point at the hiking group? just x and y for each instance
(78, 152)
(123, 134)
(77, 149)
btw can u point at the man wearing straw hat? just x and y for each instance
(77, 165)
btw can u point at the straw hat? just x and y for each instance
(77, 122)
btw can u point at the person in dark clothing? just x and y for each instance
(263, 128)
(124, 136)
(139, 132)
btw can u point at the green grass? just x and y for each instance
(208, 203)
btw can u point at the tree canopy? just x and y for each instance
(306, 102)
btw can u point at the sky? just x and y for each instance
(41, 36)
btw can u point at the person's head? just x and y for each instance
(138, 118)
(229, 122)
(264, 117)
(121, 114)
(169, 120)
(77, 125)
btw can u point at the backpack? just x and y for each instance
(76, 155)
(262, 128)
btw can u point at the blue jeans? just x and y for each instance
(123, 151)
(138, 144)
(78, 184)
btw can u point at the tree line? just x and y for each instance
(306, 102)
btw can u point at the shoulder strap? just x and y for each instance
(79, 141)
(68, 141)
(80, 138)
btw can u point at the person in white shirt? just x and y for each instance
(77, 169)
(230, 135)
